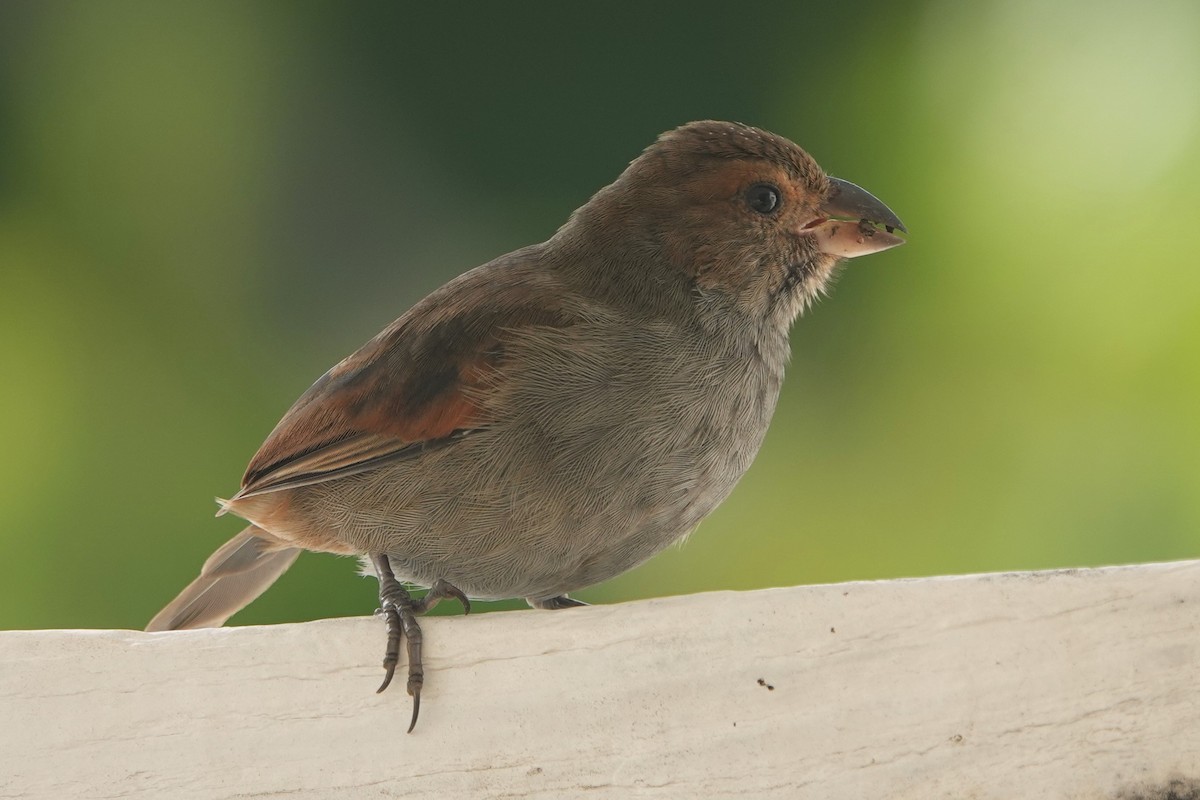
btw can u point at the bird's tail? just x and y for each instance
(238, 572)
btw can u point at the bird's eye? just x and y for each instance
(763, 198)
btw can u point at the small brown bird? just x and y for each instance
(560, 414)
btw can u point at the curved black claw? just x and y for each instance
(400, 611)
(391, 656)
(441, 590)
(416, 711)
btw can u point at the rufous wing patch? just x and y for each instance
(423, 382)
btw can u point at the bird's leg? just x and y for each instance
(395, 603)
(561, 601)
(400, 611)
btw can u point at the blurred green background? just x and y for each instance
(205, 205)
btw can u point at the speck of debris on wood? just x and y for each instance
(762, 682)
(831, 630)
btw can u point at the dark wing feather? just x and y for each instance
(423, 382)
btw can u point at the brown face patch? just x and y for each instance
(720, 239)
(724, 183)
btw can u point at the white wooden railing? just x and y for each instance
(1072, 684)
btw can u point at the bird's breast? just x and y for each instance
(652, 418)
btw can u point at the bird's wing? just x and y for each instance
(424, 382)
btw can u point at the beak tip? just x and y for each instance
(851, 200)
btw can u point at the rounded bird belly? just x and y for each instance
(544, 504)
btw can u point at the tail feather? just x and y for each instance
(239, 571)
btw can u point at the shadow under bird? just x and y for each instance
(556, 416)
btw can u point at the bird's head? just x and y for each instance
(744, 213)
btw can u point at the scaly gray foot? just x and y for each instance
(400, 611)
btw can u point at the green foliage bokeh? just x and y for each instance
(205, 205)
